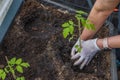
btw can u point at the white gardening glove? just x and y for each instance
(89, 49)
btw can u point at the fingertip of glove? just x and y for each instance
(81, 67)
(75, 64)
(72, 58)
(72, 54)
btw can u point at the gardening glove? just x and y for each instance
(89, 49)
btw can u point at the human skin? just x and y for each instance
(99, 13)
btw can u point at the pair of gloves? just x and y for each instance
(89, 49)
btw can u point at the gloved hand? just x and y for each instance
(89, 49)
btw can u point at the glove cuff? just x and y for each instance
(105, 44)
(95, 43)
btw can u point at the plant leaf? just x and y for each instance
(65, 32)
(19, 69)
(20, 78)
(1, 71)
(83, 21)
(71, 22)
(12, 61)
(18, 61)
(71, 29)
(12, 71)
(3, 76)
(25, 65)
(78, 16)
(66, 24)
(78, 48)
(81, 12)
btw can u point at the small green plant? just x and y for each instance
(13, 66)
(68, 27)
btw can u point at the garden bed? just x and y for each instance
(36, 37)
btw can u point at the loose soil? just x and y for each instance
(36, 37)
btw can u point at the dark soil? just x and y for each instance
(36, 37)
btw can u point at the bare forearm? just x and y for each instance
(113, 42)
(98, 15)
(97, 20)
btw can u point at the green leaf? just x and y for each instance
(25, 65)
(78, 17)
(12, 71)
(81, 12)
(12, 61)
(19, 69)
(68, 28)
(71, 22)
(1, 71)
(65, 32)
(71, 29)
(78, 48)
(18, 61)
(66, 24)
(87, 24)
(3, 76)
(20, 78)
(83, 21)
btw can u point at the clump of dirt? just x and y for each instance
(36, 37)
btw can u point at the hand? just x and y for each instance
(89, 49)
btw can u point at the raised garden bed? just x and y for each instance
(36, 37)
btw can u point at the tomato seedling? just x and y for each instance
(13, 66)
(69, 27)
